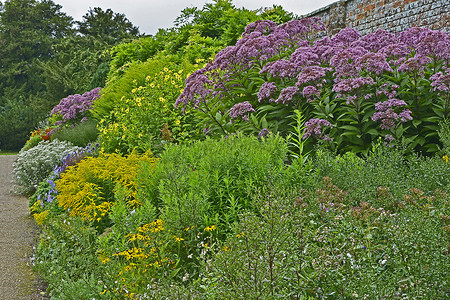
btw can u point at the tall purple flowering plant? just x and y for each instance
(378, 85)
(74, 108)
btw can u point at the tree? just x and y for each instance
(107, 25)
(28, 29)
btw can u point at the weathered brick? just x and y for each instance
(396, 15)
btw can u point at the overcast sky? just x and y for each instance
(150, 15)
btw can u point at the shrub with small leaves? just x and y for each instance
(36, 164)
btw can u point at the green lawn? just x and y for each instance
(7, 153)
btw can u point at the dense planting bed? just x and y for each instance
(285, 166)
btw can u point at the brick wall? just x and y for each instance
(392, 15)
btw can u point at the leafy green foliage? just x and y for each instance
(121, 87)
(66, 250)
(79, 135)
(16, 120)
(199, 33)
(220, 170)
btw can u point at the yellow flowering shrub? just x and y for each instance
(147, 118)
(87, 188)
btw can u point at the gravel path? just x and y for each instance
(18, 234)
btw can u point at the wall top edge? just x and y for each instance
(322, 9)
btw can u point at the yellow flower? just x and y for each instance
(41, 217)
(446, 158)
(179, 239)
(226, 248)
(105, 260)
(240, 235)
(211, 228)
(162, 99)
(177, 122)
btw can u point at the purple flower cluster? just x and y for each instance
(396, 53)
(266, 91)
(427, 42)
(346, 37)
(51, 194)
(345, 61)
(196, 89)
(314, 128)
(280, 68)
(261, 41)
(417, 63)
(441, 82)
(287, 94)
(309, 92)
(389, 90)
(241, 110)
(350, 84)
(373, 62)
(263, 133)
(386, 115)
(74, 107)
(375, 41)
(311, 75)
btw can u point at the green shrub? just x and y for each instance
(319, 244)
(80, 134)
(200, 189)
(119, 88)
(66, 259)
(17, 119)
(219, 171)
(386, 168)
